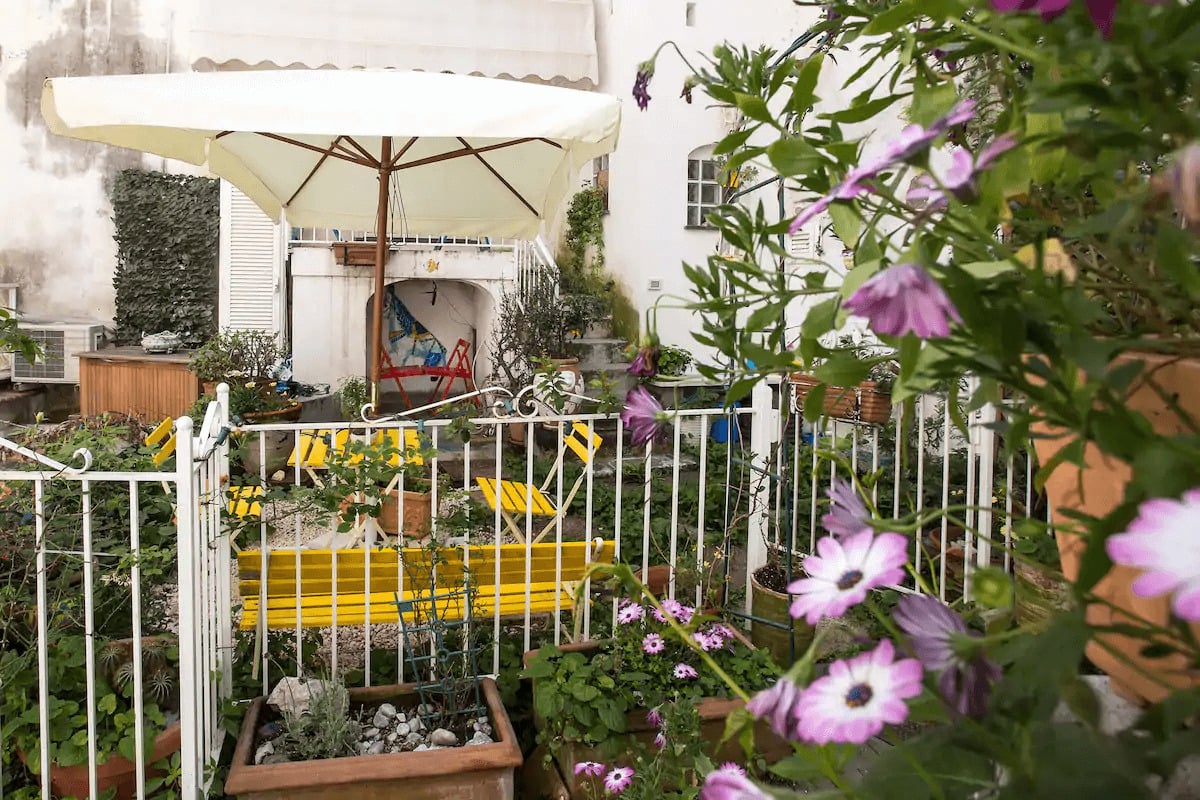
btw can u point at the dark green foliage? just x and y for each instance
(167, 236)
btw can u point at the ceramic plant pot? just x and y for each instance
(1096, 490)
(785, 642)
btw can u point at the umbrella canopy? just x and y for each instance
(407, 152)
(469, 156)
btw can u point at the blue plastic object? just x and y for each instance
(719, 432)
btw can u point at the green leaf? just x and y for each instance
(793, 156)
(931, 101)
(987, 269)
(612, 716)
(866, 110)
(846, 221)
(858, 276)
(892, 18)
(107, 704)
(754, 107)
(806, 84)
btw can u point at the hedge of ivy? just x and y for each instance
(167, 239)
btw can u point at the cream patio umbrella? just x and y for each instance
(413, 152)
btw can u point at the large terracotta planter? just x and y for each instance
(785, 643)
(117, 772)
(841, 402)
(478, 771)
(713, 713)
(1096, 490)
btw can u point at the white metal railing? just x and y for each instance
(91, 520)
(324, 237)
(535, 265)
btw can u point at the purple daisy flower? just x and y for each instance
(641, 84)
(653, 644)
(779, 705)
(685, 672)
(1163, 541)
(708, 641)
(732, 769)
(727, 785)
(592, 769)
(859, 696)
(961, 177)
(722, 630)
(910, 142)
(653, 717)
(676, 610)
(847, 512)
(903, 299)
(1102, 12)
(844, 571)
(630, 612)
(964, 683)
(660, 740)
(645, 363)
(618, 780)
(643, 415)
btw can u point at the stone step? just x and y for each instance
(599, 353)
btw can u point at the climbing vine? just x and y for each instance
(167, 238)
(585, 227)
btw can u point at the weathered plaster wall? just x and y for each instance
(55, 218)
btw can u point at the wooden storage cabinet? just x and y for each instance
(127, 380)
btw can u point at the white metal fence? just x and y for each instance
(711, 500)
(83, 533)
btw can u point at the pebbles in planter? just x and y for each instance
(394, 731)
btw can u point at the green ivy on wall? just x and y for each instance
(167, 239)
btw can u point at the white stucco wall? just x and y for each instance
(645, 233)
(56, 241)
(331, 306)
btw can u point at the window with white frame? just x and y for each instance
(703, 186)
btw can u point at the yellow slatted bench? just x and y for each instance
(317, 600)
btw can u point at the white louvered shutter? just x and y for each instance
(800, 244)
(251, 264)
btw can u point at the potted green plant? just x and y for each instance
(116, 739)
(353, 394)
(596, 699)
(382, 482)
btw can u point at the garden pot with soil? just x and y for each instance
(1096, 489)
(789, 638)
(1038, 595)
(447, 773)
(117, 772)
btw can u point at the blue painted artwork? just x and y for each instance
(409, 343)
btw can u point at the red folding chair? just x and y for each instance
(390, 371)
(456, 368)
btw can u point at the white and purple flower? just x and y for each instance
(1164, 541)
(675, 610)
(643, 415)
(780, 706)
(684, 672)
(629, 613)
(722, 784)
(847, 512)
(618, 780)
(910, 142)
(842, 573)
(859, 696)
(592, 769)
(961, 176)
(936, 632)
(653, 644)
(904, 299)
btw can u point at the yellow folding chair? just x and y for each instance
(245, 502)
(164, 430)
(516, 497)
(313, 449)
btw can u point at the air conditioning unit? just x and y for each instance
(61, 342)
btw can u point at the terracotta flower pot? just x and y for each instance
(117, 772)
(874, 404)
(478, 771)
(418, 514)
(1096, 490)
(841, 402)
(713, 713)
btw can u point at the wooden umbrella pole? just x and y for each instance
(381, 251)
